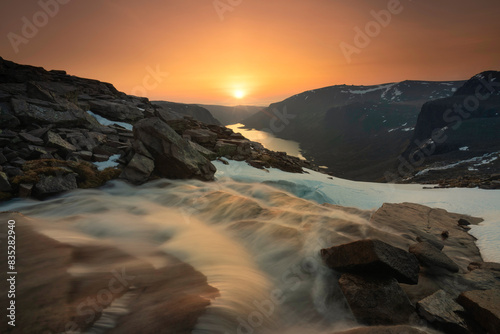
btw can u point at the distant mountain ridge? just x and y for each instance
(231, 114)
(356, 131)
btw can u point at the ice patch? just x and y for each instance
(106, 122)
(478, 161)
(361, 92)
(111, 162)
(465, 148)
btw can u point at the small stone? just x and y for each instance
(442, 311)
(430, 256)
(54, 140)
(25, 190)
(100, 157)
(4, 183)
(31, 139)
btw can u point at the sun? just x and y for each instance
(239, 94)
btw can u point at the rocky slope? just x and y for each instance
(456, 140)
(179, 110)
(55, 128)
(356, 131)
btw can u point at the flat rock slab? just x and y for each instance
(432, 257)
(376, 300)
(442, 311)
(385, 330)
(373, 257)
(484, 306)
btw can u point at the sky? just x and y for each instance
(252, 52)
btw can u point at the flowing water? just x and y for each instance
(258, 245)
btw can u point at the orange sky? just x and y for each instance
(267, 49)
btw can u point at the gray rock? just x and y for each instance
(120, 112)
(100, 157)
(224, 149)
(54, 140)
(3, 159)
(484, 306)
(376, 300)
(430, 256)
(173, 156)
(30, 113)
(31, 139)
(201, 136)
(4, 183)
(205, 152)
(84, 155)
(50, 185)
(373, 257)
(138, 170)
(443, 312)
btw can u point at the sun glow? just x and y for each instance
(239, 94)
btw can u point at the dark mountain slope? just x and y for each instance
(458, 136)
(356, 131)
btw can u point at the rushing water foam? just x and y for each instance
(259, 246)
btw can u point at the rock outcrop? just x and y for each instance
(456, 292)
(172, 155)
(52, 116)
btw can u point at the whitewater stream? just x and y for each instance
(256, 243)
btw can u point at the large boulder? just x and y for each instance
(174, 157)
(121, 112)
(443, 312)
(376, 300)
(139, 169)
(484, 306)
(373, 257)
